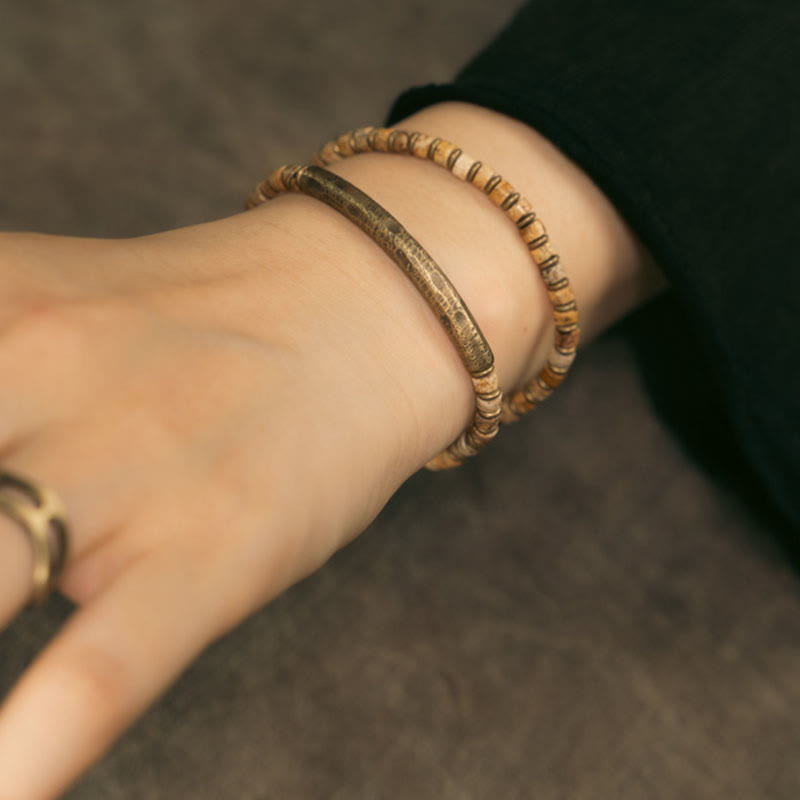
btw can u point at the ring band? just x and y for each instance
(44, 521)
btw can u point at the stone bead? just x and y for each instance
(561, 362)
(559, 297)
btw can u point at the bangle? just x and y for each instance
(429, 280)
(504, 195)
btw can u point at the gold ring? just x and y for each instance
(43, 519)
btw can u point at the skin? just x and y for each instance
(223, 406)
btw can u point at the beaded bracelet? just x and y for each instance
(428, 278)
(504, 195)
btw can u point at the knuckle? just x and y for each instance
(52, 332)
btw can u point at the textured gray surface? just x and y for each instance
(579, 613)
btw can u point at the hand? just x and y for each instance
(221, 407)
(216, 430)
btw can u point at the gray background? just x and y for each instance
(582, 612)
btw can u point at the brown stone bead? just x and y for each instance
(561, 362)
(522, 213)
(532, 231)
(567, 339)
(543, 253)
(502, 192)
(565, 318)
(552, 379)
(537, 391)
(561, 297)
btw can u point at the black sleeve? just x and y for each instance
(687, 116)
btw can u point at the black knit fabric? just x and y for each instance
(687, 115)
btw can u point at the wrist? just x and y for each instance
(481, 249)
(302, 249)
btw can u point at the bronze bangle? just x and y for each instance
(429, 280)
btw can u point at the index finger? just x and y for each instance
(109, 662)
